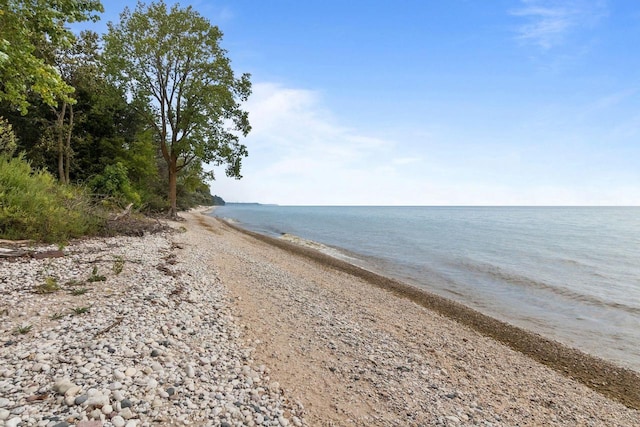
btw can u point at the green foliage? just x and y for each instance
(78, 291)
(170, 58)
(118, 265)
(7, 138)
(24, 329)
(80, 310)
(95, 277)
(34, 206)
(114, 182)
(26, 27)
(49, 286)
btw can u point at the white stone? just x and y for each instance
(118, 421)
(62, 385)
(13, 422)
(4, 414)
(130, 372)
(98, 400)
(107, 409)
(72, 391)
(126, 414)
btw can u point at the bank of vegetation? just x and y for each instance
(91, 124)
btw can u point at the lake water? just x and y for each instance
(568, 273)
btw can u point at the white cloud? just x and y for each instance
(549, 22)
(302, 154)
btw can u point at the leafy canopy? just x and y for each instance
(171, 63)
(27, 27)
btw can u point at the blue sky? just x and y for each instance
(457, 102)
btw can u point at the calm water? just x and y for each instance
(572, 274)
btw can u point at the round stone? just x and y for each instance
(118, 421)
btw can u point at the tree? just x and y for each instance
(78, 65)
(171, 61)
(25, 27)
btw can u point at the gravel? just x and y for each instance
(155, 344)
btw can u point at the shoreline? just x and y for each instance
(605, 377)
(210, 326)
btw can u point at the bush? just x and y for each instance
(33, 205)
(114, 182)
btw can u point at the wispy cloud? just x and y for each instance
(550, 22)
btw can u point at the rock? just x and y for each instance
(80, 399)
(89, 424)
(4, 414)
(125, 403)
(155, 353)
(64, 424)
(171, 391)
(13, 422)
(191, 372)
(4, 402)
(107, 409)
(72, 391)
(98, 400)
(453, 419)
(62, 385)
(18, 410)
(131, 423)
(115, 385)
(126, 413)
(118, 421)
(117, 395)
(130, 372)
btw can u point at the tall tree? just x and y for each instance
(25, 26)
(171, 60)
(78, 65)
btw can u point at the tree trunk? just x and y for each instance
(173, 178)
(60, 137)
(67, 150)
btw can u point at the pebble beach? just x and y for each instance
(207, 326)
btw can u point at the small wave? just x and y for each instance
(526, 282)
(327, 250)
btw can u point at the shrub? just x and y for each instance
(7, 138)
(33, 205)
(114, 182)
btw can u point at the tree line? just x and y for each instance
(135, 115)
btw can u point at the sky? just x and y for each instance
(425, 102)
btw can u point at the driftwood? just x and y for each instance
(108, 328)
(11, 253)
(15, 242)
(125, 213)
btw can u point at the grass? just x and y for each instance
(49, 286)
(95, 277)
(24, 329)
(118, 265)
(58, 316)
(80, 310)
(35, 206)
(78, 291)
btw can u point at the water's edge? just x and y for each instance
(605, 377)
